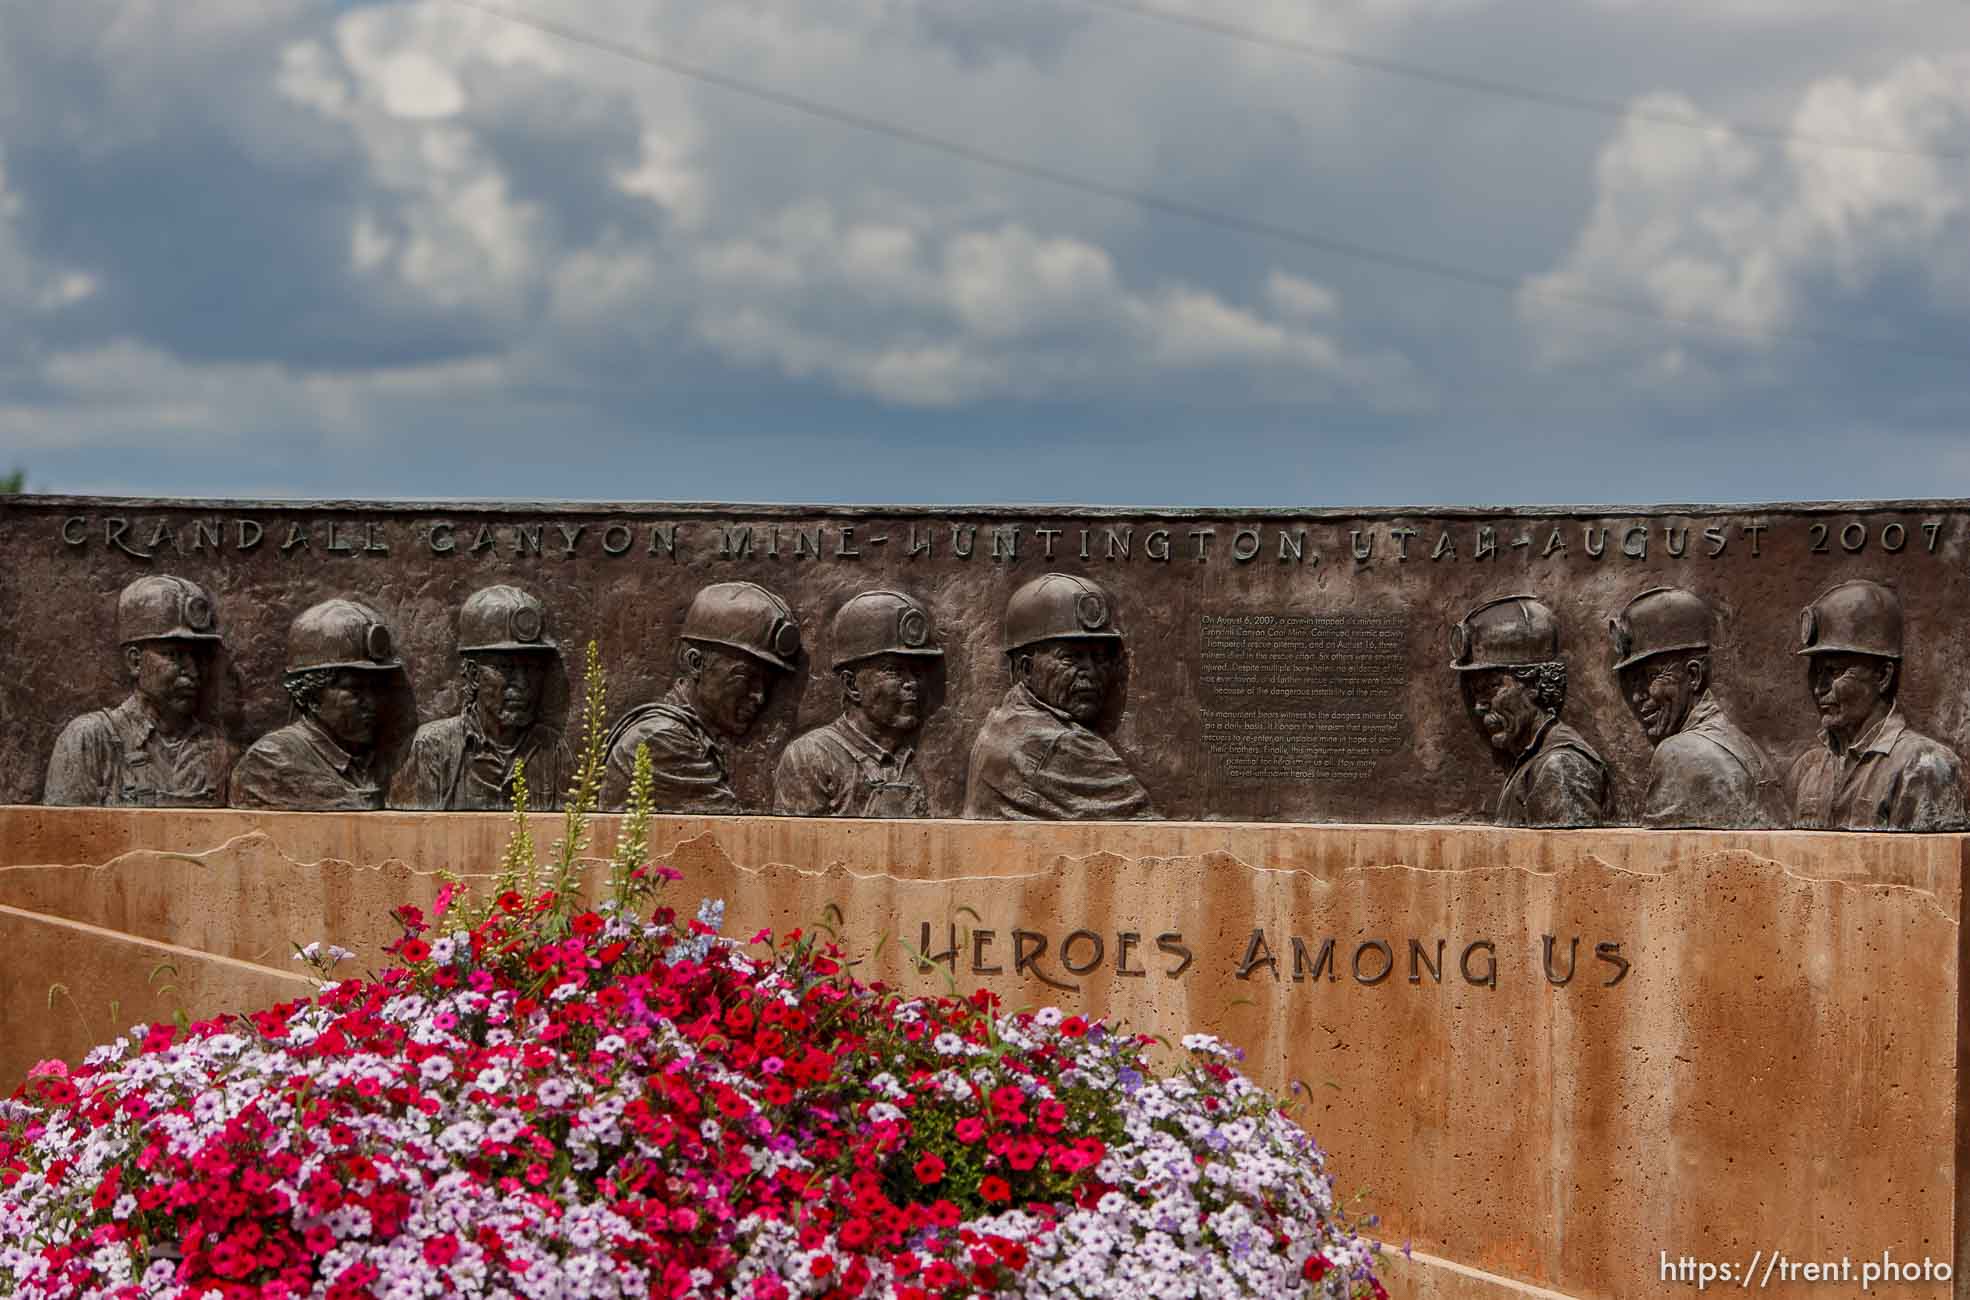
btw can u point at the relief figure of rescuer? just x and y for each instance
(1704, 771)
(467, 761)
(738, 638)
(341, 667)
(1037, 756)
(153, 750)
(1507, 656)
(864, 763)
(1870, 769)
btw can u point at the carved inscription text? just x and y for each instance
(1302, 697)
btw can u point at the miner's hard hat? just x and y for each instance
(746, 617)
(340, 633)
(883, 623)
(1057, 607)
(1509, 632)
(1858, 617)
(503, 618)
(159, 607)
(1659, 621)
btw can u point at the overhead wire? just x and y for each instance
(1156, 202)
(1505, 89)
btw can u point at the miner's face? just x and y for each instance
(1072, 675)
(349, 707)
(891, 690)
(1661, 690)
(508, 689)
(732, 688)
(1848, 688)
(1504, 707)
(168, 674)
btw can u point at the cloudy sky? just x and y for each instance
(303, 247)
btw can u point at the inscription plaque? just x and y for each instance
(1302, 697)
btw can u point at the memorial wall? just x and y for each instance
(1083, 757)
(1772, 666)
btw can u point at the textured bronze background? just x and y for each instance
(1377, 732)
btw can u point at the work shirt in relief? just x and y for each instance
(1558, 781)
(300, 766)
(690, 770)
(836, 771)
(1708, 774)
(120, 757)
(1893, 778)
(1037, 763)
(454, 765)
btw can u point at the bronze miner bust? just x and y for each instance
(1038, 757)
(737, 639)
(1704, 770)
(1507, 656)
(155, 749)
(1871, 770)
(467, 761)
(341, 660)
(863, 764)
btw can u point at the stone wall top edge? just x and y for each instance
(50, 502)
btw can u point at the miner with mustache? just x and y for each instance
(152, 750)
(1507, 656)
(738, 638)
(863, 764)
(1037, 756)
(1705, 771)
(1870, 769)
(466, 762)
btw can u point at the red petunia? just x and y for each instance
(930, 1168)
(994, 1189)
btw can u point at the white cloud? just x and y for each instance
(947, 316)
(1293, 295)
(125, 392)
(1759, 241)
(415, 85)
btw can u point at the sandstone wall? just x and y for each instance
(1776, 1066)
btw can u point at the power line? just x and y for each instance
(1155, 202)
(1505, 89)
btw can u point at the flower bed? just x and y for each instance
(551, 1099)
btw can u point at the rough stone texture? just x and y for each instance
(58, 597)
(1777, 1071)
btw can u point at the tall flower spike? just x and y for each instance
(517, 866)
(586, 790)
(633, 843)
